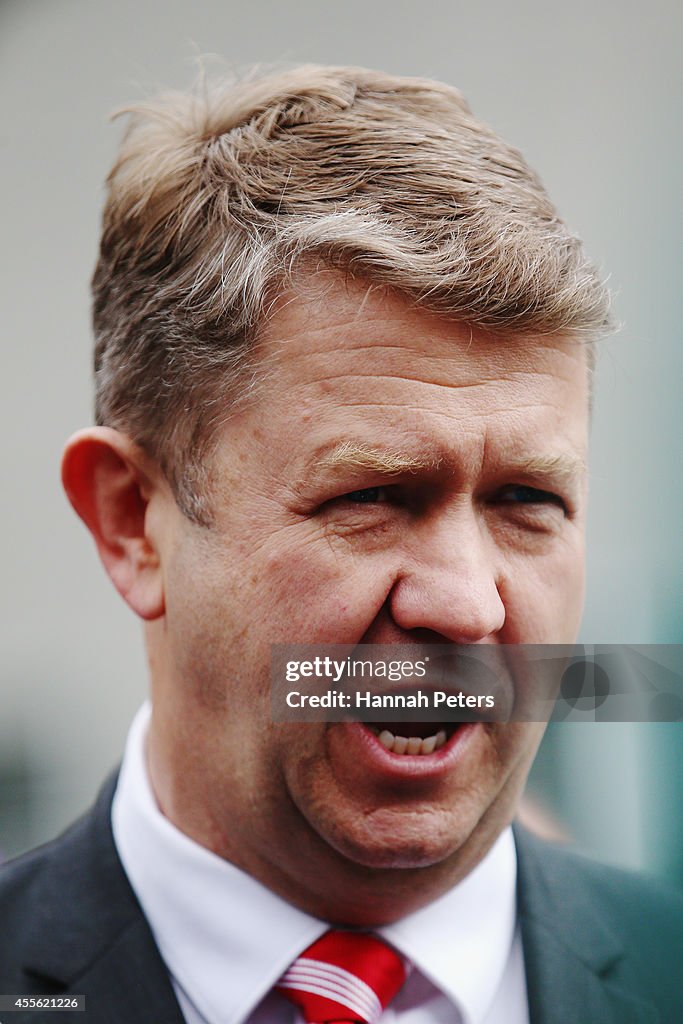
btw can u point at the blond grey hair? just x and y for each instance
(220, 195)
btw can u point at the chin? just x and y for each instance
(398, 840)
(389, 873)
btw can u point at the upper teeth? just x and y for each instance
(412, 744)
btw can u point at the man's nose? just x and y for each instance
(450, 583)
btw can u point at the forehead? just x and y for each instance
(339, 344)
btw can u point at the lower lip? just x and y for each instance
(360, 745)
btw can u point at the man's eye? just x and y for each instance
(521, 494)
(367, 495)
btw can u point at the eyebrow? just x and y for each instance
(354, 455)
(564, 467)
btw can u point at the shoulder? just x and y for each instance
(19, 875)
(59, 862)
(68, 895)
(625, 926)
(31, 889)
(635, 901)
(23, 880)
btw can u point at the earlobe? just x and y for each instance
(107, 480)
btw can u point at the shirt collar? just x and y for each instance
(219, 915)
(462, 940)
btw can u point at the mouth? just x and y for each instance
(420, 754)
(415, 739)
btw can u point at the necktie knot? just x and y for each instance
(342, 977)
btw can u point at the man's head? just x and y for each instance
(343, 393)
(218, 197)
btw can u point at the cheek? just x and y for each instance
(321, 593)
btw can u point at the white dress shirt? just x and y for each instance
(226, 939)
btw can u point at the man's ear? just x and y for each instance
(110, 482)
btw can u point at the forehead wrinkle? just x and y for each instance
(451, 385)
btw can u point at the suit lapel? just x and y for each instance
(126, 983)
(564, 990)
(90, 937)
(571, 955)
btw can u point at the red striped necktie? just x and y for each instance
(344, 977)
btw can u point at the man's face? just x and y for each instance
(397, 479)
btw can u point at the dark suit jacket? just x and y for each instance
(601, 946)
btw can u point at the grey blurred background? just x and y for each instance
(591, 92)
